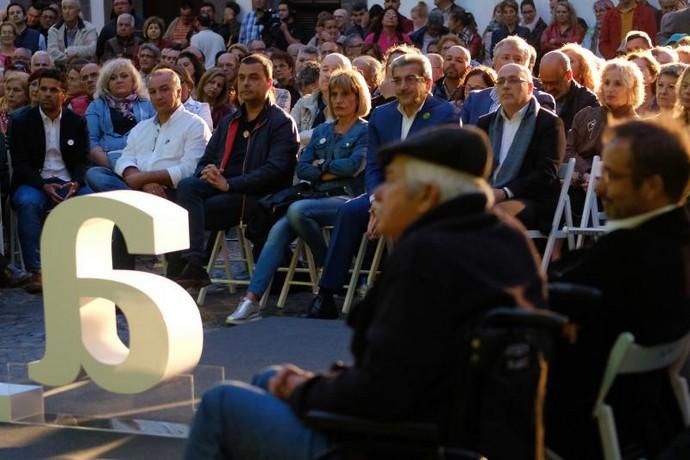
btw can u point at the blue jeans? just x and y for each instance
(304, 218)
(32, 205)
(350, 225)
(244, 422)
(102, 179)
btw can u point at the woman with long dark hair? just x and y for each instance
(388, 31)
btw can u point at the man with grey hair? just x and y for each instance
(178, 138)
(342, 20)
(124, 44)
(148, 57)
(414, 111)
(529, 145)
(72, 36)
(372, 71)
(306, 54)
(409, 330)
(511, 49)
(41, 60)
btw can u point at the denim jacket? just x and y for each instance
(344, 157)
(101, 125)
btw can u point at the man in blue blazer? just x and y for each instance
(514, 50)
(415, 110)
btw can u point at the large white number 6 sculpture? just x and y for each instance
(80, 290)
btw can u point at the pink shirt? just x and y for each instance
(388, 40)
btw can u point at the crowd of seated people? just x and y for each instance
(225, 111)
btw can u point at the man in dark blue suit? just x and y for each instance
(415, 110)
(478, 103)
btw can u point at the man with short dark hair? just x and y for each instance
(640, 266)
(50, 155)
(251, 154)
(209, 42)
(26, 36)
(209, 9)
(284, 74)
(556, 76)
(49, 16)
(169, 56)
(360, 20)
(433, 30)
(124, 44)
(33, 16)
(411, 329)
(285, 31)
(637, 40)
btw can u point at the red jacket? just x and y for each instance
(644, 19)
(574, 34)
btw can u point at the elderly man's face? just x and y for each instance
(70, 11)
(89, 77)
(513, 87)
(555, 79)
(228, 63)
(125, 28)
(411, 88)
(509, 53)
(397, 206)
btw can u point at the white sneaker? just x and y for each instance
(246, 311)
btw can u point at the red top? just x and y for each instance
(552, 38)
(610, 38)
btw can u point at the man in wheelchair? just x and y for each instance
(453, 261)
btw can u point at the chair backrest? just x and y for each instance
(626, 357)
(498, 409)
(565, 174)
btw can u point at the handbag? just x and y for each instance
(278, 202)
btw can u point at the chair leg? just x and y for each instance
(607, 432)
(201, 298)
(356, 268)
(378, 254)
(546, 260)
(290, 274)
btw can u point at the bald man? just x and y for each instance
(456, 64)
(556, 75)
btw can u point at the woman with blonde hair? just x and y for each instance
(683, 102)
(585, 65)
(667, 87)
(213, 88)
(16, 95)
(620, 93)
(120, 102)
(419, 15)
(331, 164)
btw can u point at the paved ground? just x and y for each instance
(22, 336)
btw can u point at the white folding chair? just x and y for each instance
(590, 211)
(563, 210)
(627, 357)
(357, 270)
(302, 252)
(220, 248)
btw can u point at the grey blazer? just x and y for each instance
(676, 22)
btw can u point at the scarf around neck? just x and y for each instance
(510, 168)
(123, 105)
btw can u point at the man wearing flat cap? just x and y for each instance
(408, 332)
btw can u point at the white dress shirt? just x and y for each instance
(510, 129)
(53, 165)
(175, 146)
(407, 121)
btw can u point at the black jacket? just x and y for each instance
(27, 145)
(577, 98)
(408, 332)
(643, 276)
(538, 178)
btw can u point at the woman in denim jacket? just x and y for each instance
(332, 163)
(121, 101)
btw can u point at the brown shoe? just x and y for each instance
(35, 285)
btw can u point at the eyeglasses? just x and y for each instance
(408, 80)
(512, 81)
